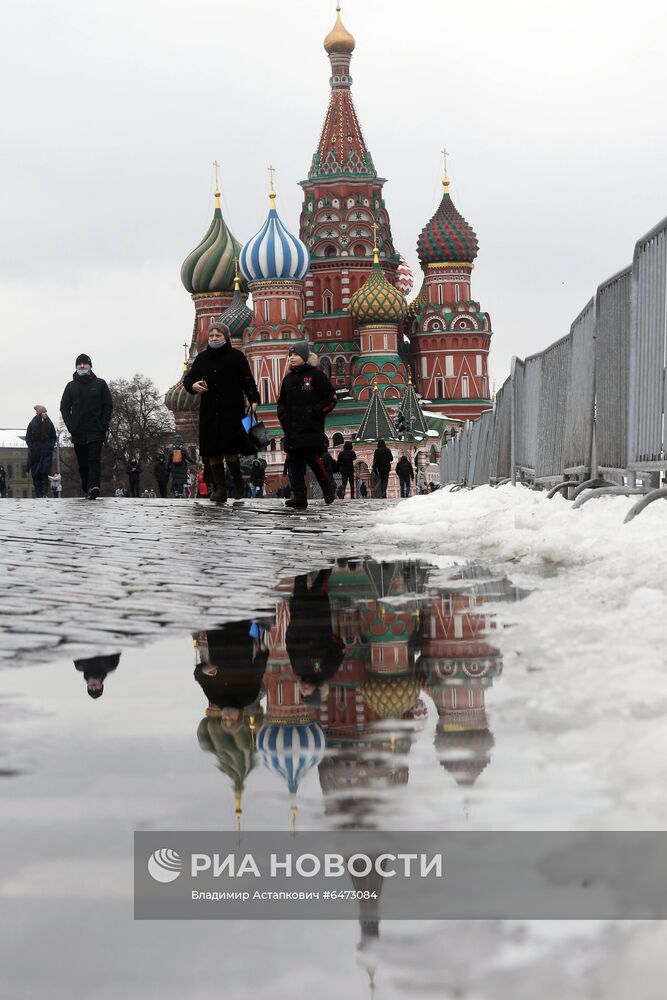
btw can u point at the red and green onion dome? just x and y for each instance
(417, 304)
(464, 753)
(377, 301)
(447, 238)
(209, 269)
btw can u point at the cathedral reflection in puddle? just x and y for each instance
(358, 660)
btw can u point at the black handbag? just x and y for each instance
(258, 434)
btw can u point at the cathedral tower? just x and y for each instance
(449, 335)
(342, 201)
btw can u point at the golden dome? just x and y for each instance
(339, 38)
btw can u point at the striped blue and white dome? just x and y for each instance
(291, 750)
(274, 254)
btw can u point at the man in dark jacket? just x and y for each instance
(178, 459)
(40, 437)
(3, 482)
(315, 652)
(95, 669)
(405, 474)
(382, 459)
(134, 476)
(306, 396)
(257, 478)
(86, 410)
(231, 678)
(346, 459)
(161, 473)
(221, 376)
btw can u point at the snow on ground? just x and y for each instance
(587, 652)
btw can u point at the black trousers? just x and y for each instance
(298, 460)
(162, 487)
(134, 487)
(384, 480)
(348, 477)
(405, 487)
(89, 459)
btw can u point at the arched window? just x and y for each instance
(340, 367)
(325, 365)
(338, 439)
(359, 250)
(327, 302)
(329, 251)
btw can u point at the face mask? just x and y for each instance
(83, 371)
(217, 344)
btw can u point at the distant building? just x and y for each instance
(14, 458)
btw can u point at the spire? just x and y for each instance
(415, 424)
(376, 423)
(447, 238)
(342, 148)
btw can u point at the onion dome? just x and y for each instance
(391, 697)
(405, 279)
(416, 306)
(291, 750)
(210, 266)
(377, 301)
(465, 753)
(447, 238)
(274, 254)
(179, 400)
(339, 38)
(237, 317)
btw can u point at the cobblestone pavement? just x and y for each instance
(81, 577)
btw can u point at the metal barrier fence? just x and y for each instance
(592, 402)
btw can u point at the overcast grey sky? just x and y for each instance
(113, 111)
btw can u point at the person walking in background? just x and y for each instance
(178, 460)
(95, 670)
(257, 479)
(306, 396)
(363, 491)
(3, 482)
(346, 459)
(134, 476)
(161, 473)
(56, 481)
(405, 474)
(86, 408)
(221, 376)
(382, 459)
(40, 437)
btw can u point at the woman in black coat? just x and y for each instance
(41, 440)
(221, 376)
(306, 396)
(232, 676)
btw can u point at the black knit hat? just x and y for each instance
(83, 359)
(302, 348)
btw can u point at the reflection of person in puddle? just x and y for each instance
(95, 669)
(231, 677)
(314, 651)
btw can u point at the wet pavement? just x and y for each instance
(360, 693)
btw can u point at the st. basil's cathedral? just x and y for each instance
(409, 373)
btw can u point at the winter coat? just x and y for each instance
(133, 471)
(315, 652)
(41, 440)
(238, 681)
(346, 459)
(161, 471)
(221, 409)
(306, 396)
(404, 469)
(86, 408)
(179, 471)
(257, 474)
(97, 667)
(382, 459)
(330, 464)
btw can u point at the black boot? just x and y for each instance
(328, 491)
(237, 476)
(299, 500)
(219, 494)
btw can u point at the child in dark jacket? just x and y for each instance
(306, 396)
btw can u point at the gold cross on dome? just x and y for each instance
(216, 166)
(445, 156)
(271, 169)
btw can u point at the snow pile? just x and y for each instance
(587, 650)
